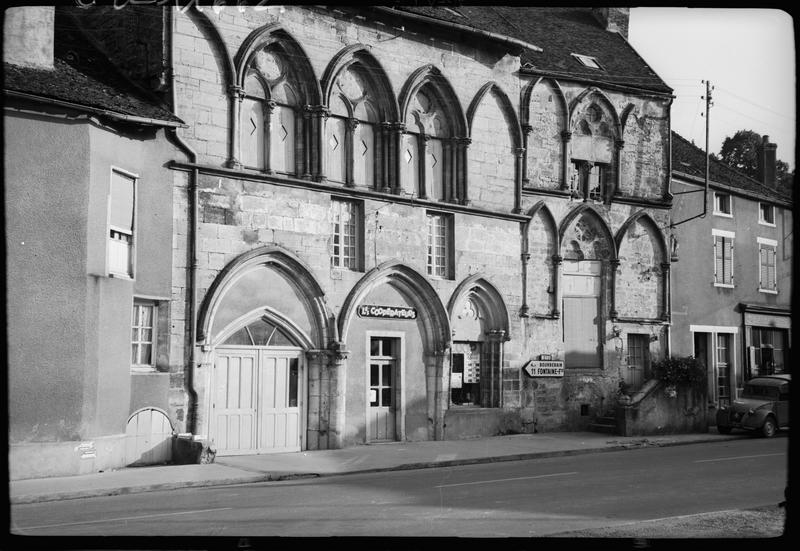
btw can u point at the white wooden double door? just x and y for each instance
(256, 400)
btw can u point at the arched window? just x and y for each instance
(350, 136)
(335, 141)
(424, 151)
(268, 115)
(593, 154)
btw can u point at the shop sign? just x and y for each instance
(539, 368)
(386, 312)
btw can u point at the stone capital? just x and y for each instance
(527, 129)
(566, 135)
(352, 124)
(235, 91)
(619, 144)
(558, 259)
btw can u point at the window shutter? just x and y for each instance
(727, 275)
(717, 260)
(762, 265)
(121, 202)
(771, 276)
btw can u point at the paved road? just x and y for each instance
(522, 499)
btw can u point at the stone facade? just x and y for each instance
(451, 127)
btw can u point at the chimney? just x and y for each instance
(767, 162)
(28, 36)
(613, 19)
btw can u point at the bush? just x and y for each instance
(686, 371)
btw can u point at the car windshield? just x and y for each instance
(760, 392)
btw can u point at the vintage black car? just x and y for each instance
(763, 406)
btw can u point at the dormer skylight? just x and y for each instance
(587, 61)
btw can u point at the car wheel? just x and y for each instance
(768, 429)
(722, 429)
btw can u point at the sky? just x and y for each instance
(748, 56)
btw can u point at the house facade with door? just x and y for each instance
(88, 212)
(406, 224)
(732, 278)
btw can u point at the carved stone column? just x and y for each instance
(613, 264)
(566, 137)
(270, 107)
(438, 366)
(524, 311)
(350, 151)
(519, 155)
(526, 133)
(316, 435)
(337, 376)
(665, 291)
(235, 96)
(397, 129)
(383, 182)
(425, 179)
(462, 175)
(558, 268)
(307, 139)
(319, 114)
(450, 193)
(619, 145)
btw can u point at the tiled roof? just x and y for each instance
(88, 80)
(559, 32)
(690, 159)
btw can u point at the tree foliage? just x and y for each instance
(741, 151)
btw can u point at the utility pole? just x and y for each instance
(709, 103)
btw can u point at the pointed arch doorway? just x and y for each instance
(258, 388)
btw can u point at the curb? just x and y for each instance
(266, 477)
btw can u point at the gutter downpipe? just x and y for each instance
(191, 414)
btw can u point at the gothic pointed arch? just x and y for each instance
(373, 73)
(432, 159)
(514, 128)
(594, 147)
(361, 104)
(247, 271)
(642, 282)
(275, 38)
(214, 38)
(415, 288)
(642, 217)
(444, 91)
(487, 298)
(545, 114)
(278, 106)
(585, 99)
(584, 235)
(540, 254)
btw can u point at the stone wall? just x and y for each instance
(238, 214)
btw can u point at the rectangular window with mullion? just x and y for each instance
(438, 264)
(345, 235)
(143, 336)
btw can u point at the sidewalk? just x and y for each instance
(357, 459)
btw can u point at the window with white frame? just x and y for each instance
(722, 204)
(723, 258)
(143, 336)
(766, 214)
(346, 230)
(767, 280)
(120, 224)
(438, 258)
